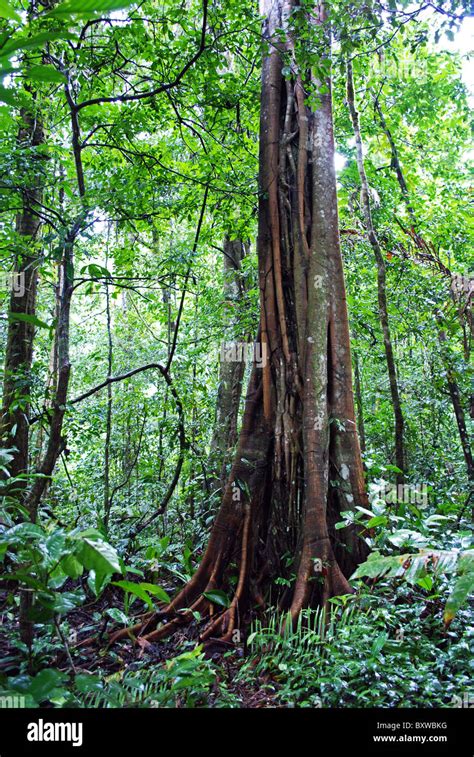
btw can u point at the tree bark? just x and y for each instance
(359, 402)
(19, 349)
(55, 444)
(108, 417)
(298, 462)
(461, 422)
(456, 402)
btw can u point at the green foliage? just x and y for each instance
(88, 8)
(188, 680)
(143, 591)
(6, 11)
(379, 650)
(415, 568)
(40, 560)
(47, 686)
(217, 597)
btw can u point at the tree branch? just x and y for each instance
(162, 87)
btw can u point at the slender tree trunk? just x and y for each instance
(19, 349)
(381, 281)
(231, 372)
(457, 406)
(51, 380)
(461, 422)
(396, 166)
(359, 402)
(453, 387)
(298, 462)
(56, 443)
(108, 419)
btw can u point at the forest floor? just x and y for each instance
(128, 655)
(388, 647)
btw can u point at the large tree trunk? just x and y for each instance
(298, 462)
(56, 443)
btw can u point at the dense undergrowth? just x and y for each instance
(390, 644)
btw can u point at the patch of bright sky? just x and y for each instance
(464, 45)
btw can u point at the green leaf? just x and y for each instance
(21, 532)
(425, 583)
(117, 615)
(378, 520)
(99, 556)
(393, 469)
(157, 591)
(408, 537)
(37, 40)
(97, 581)
(24, 318)
(45, 73)
(71, 566)
(86, 683)
(88, 7)
(135, 589)
(55, 545)
(68, 600)
(379, 643)
(98, 271)
(466, 562)
(9, 97)
(217, 597)
(463, 587)
(6, 11)
(365, 511)
(377, 566)
(44, 685)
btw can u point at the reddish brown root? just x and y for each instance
(224, 624)
(335, 583)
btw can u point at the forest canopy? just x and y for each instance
(236, 329)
